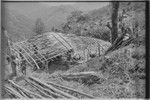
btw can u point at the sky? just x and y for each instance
(81, 5)
(84, 6)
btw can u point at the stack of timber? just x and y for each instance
(37, 88)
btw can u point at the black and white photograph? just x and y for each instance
(74, 49)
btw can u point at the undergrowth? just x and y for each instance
(122, 73)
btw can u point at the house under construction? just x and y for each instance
(41, 49)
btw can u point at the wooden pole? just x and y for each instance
(29, 56)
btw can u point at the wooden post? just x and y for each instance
(46, 66)
(99, 51)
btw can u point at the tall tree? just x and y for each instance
(114, 21)
(39, 26)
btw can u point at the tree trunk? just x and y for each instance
(114, 19)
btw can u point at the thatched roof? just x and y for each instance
(41, 48)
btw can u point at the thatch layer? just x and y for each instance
(39, 49)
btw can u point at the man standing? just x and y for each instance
(13, 66)
(22, 63)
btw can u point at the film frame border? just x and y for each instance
(147, 2)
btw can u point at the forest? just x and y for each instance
(90, 54)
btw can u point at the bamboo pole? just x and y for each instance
(23, 46)
(46, 92)
(29, 56)
(42, 83)
(15, 50)
(43, 57)
(40, 54)
(50, 58)
(23, 89)
(60, 42)
(12, 91)
(56, 85)
(65, 41)
(70, 89)
(38, 89)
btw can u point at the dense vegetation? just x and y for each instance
(122, 71)
(95, 23)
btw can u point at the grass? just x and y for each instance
(123, 74)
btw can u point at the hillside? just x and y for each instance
(94, 23)
(57, 16)
(77, 59)
(20, 19)
(52, 14)
(18, 26)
